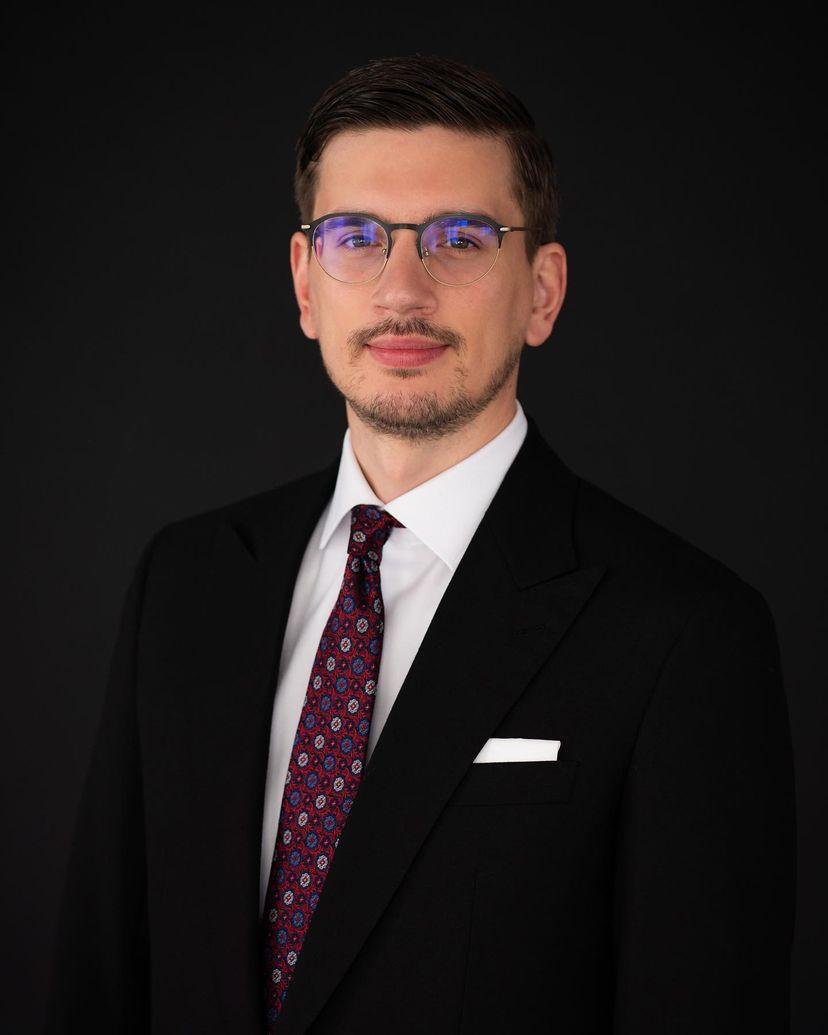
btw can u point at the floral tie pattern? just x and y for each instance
(328, 754)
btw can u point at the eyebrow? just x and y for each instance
(431, 216)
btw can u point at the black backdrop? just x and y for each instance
(154, 366)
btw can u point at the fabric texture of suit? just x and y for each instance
(642, 883)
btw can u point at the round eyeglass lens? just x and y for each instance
(350, 248)
(459, 251)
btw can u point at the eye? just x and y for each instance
(359, 241)
(456, 240)
(459, 236)
(467, 242)
(346, 233)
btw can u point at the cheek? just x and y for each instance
(510, 307)
(336, 317)
(322, 307)
(492, 317)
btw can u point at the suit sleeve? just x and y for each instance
(705, 880)
(100, 972)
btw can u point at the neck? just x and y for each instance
(393, 466)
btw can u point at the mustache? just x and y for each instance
(416, 327)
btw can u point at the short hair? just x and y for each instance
(417, 90)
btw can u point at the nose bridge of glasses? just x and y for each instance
(391, 227)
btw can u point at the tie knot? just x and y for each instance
(370, 528)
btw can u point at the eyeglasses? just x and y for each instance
(456, 248)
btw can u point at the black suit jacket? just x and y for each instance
(643, 884)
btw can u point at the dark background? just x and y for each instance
(154, 365)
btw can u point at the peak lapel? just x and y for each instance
(515, 593)
(243, 609)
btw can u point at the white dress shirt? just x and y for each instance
(440, 517)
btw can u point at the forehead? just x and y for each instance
(402, 175)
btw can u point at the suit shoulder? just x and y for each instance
(646, 553)
(194, 534)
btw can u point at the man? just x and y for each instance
(441, 738)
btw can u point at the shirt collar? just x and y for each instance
(464, 491)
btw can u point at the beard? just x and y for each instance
(423, 416)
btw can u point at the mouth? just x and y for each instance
(390, 342)
(405, 352)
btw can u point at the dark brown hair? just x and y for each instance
(422, 90)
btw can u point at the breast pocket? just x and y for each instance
(515, 783)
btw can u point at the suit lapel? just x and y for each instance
(242, 611)
(513, 596)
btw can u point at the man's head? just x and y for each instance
(403, 138)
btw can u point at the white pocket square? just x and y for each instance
(519, 749)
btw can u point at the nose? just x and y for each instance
(404, 283)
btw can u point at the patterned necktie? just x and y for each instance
(328, 754)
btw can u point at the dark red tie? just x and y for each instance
(328, 754)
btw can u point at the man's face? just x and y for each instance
(402, 176)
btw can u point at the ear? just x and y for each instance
(549, 289)
(299, 263)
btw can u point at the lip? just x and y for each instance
(397, 355)
(405, 343)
